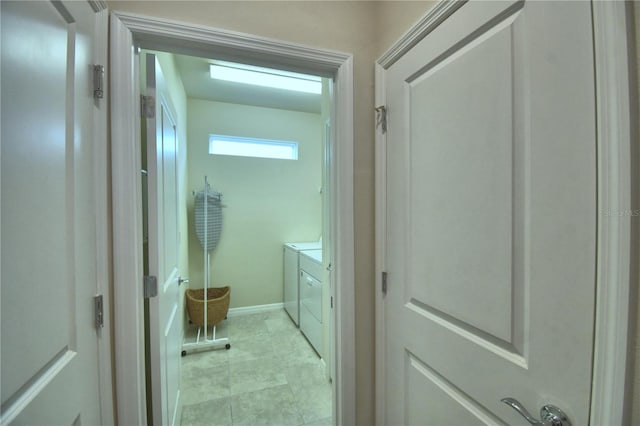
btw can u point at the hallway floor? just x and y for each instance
(270, 376)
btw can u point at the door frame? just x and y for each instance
(127, 32)
(617, 186)
(102, 173)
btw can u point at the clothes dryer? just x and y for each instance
(292, 276)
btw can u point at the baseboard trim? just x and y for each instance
(247, 310)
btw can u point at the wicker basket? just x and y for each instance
(217, 305)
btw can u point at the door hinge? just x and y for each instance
(150, 286)
(384, 282)
(331, 302)
(98, 310)
(98, 81)
(147, 106)
(381, 118)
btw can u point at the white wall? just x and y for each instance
(268, 201)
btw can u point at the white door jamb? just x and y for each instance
(103, 238)
(128, 302)
(616, 265)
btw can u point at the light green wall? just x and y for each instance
(268, 202)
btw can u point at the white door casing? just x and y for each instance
(609, 405)
(129, 31)
(491, 216)
(55, 364)
(165, 335)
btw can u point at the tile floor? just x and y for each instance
(270, 376)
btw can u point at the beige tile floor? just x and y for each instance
(270, 376)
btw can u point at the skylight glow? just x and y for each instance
(265, 77)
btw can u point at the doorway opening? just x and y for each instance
(129, 33)
(265, 152)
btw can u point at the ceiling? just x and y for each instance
(197, 84)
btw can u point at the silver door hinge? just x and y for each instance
(381, 118)
(150, 286)
(384, 282)
(147, 106)
(98, 81)
(98, 310)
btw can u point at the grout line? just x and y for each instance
(260, 321)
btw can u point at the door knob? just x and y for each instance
(550, 415)
(182, 280)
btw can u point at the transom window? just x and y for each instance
(252, 147)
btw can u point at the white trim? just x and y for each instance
(103, 222)
(127, 29)
(256, 309)
(434, 17)
(381, 242)
(616, 273)
(128, 303)
(98, 5)
(610, 398)
(343, 275)
(158, 33)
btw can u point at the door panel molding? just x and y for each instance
(617, 238)
(62, 373)
(474, 411)
(128, 31)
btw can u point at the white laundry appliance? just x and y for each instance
(292, 275)
(311, 297)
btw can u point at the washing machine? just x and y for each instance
(311, 297)
(291, 276)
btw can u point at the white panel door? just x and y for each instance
(163, 205)
(50, 271)
(491, 204)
